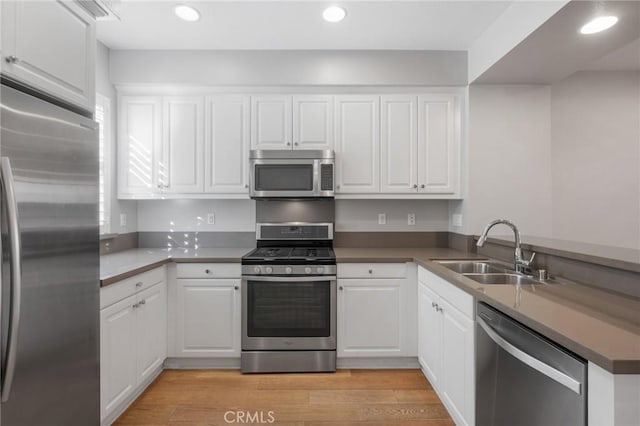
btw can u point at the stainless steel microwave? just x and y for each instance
(291, 174)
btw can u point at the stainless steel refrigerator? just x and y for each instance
(50, 263)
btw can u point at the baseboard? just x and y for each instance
(386, 362)
(108, 421)
(198, 363)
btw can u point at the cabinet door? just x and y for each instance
(227, 144)
(370, 318)
(180, 168)
(271, 122)
(399, 145)
(430, 335)
(139, 142)
(50, 45)
(208, 317)
(457, 374)
(438, 143)
(313, 122)
(151, 330)
(117, 354)
(357, 144)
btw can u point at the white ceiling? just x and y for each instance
(403, 25)
(626, 58)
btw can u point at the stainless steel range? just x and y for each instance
(289, 299)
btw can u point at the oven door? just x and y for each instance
(288, 313)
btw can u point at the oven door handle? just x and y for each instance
(289, 279)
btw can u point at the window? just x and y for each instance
(103, 117)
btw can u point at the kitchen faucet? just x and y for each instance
(520, 265)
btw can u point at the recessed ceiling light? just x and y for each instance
(334, 14)
(186, 13)
(598, 24)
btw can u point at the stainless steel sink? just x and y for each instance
(472, 266)
(504, 279)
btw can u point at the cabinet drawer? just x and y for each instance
(208, 270)
(129, 286)
(372, 270)
(460, 299)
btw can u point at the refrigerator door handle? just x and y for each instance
(16, 275)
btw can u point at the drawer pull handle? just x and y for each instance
(139, 284)
(207, 271)
(135, 305)
(371, 271)
(236, 287)
(341, 288)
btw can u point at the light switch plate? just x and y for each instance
(211, 218)
(123, 219)
(456, 219)
(411, 219)
(382, 218)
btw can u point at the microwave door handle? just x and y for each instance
(6, 177)
(316, 177)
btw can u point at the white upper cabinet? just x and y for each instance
(292, 122)
(227, 144)
(357, 144)
(139, 143)
(439, 143)
(50, 45)
(180, 167)
(313, 122)
(271, 122)
(399, 145)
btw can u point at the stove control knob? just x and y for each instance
(288, 270)
(307, 270)
(268, 269)
(320, 270)
(256, 270)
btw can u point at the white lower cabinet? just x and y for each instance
(446, 344)
(208, 311)
(133, 337)
(376, 313)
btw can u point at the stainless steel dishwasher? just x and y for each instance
(524, 379)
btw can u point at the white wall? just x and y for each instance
(509, 160)
(239, 215)
(104, 87)
(595, 134)
(519, 20)
(289, 67)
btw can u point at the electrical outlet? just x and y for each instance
(382, 218)
(456, 219)
(211, 218)
(123, 219)
(411, 219)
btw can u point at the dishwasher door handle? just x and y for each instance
(532, 362)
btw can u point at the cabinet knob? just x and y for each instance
(296, 143)
(288, 143)
(341, 288)
(11, 59)
(415, 186)
(246, 186)
(422, 186)
(338, 186)
(135, 305)
(159, 186)
(371, 271)
(207, 271)
(139, 284)
(236, 287)
(142, 302)
(433, 304)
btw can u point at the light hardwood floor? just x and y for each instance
(347, 397)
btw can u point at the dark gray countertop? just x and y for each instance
(601, 326)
